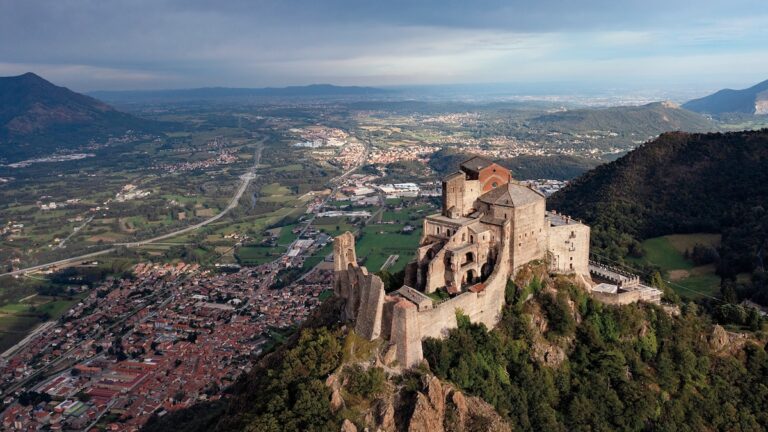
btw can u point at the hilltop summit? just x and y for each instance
(752, 100)
(37, 117)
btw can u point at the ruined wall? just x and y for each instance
(409, 328)
(568, 246)
(369, 315)
(406, 334)
(436, 272)
(344, 252)
(363, 293)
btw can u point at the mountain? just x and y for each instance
(753, 100)
(38, 117)
(680, 183)
(525, 167)
(229, 94)
(641, 122)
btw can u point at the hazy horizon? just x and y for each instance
(598, 45)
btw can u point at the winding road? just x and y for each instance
(246, 180)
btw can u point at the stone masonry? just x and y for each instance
(490, 226)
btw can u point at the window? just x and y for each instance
(471, 239)
(494, 184)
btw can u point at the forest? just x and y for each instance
(682, 183)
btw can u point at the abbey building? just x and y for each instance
(490, 225)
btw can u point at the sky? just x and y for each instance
(152, 44)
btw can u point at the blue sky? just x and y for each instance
(143, 44)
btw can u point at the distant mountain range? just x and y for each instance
(229, 93)
(753, 100)
(641, 121)
(38, 117)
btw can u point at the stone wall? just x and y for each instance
(483, 306)
(459, 194)
(569, 248)
(529, 241)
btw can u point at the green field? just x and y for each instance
(255, 255)
(381, 241)
(17, 319)
(659, 251)
(689, 281)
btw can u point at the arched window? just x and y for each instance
(469, 257)
(471, 238)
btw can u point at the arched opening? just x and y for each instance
(469, 257)
(471, 238)
(430, 254)
(470, 277)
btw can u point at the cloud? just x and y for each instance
(93, 44)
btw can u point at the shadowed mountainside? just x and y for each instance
(753, 100)
(38, 117)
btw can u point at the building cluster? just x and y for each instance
(546, 186)
(320, 136)
(392, 154)
(366, 189)
(130, 192)
(172, 336)
(350, 155)
(490, 227)
(221, 157)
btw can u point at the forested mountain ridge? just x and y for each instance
(752, 100)
(38, 117)
(640, 121)
(525, 167)
(679, 183)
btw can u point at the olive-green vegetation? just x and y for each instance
(627, 368)
(630, 368)
(628, 121)
(682, 183)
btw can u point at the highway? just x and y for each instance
(244, 183)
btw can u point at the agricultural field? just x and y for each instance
(689, 280)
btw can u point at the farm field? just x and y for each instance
(688, 280)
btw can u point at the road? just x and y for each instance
(244, 183)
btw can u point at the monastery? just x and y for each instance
(490, 226)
